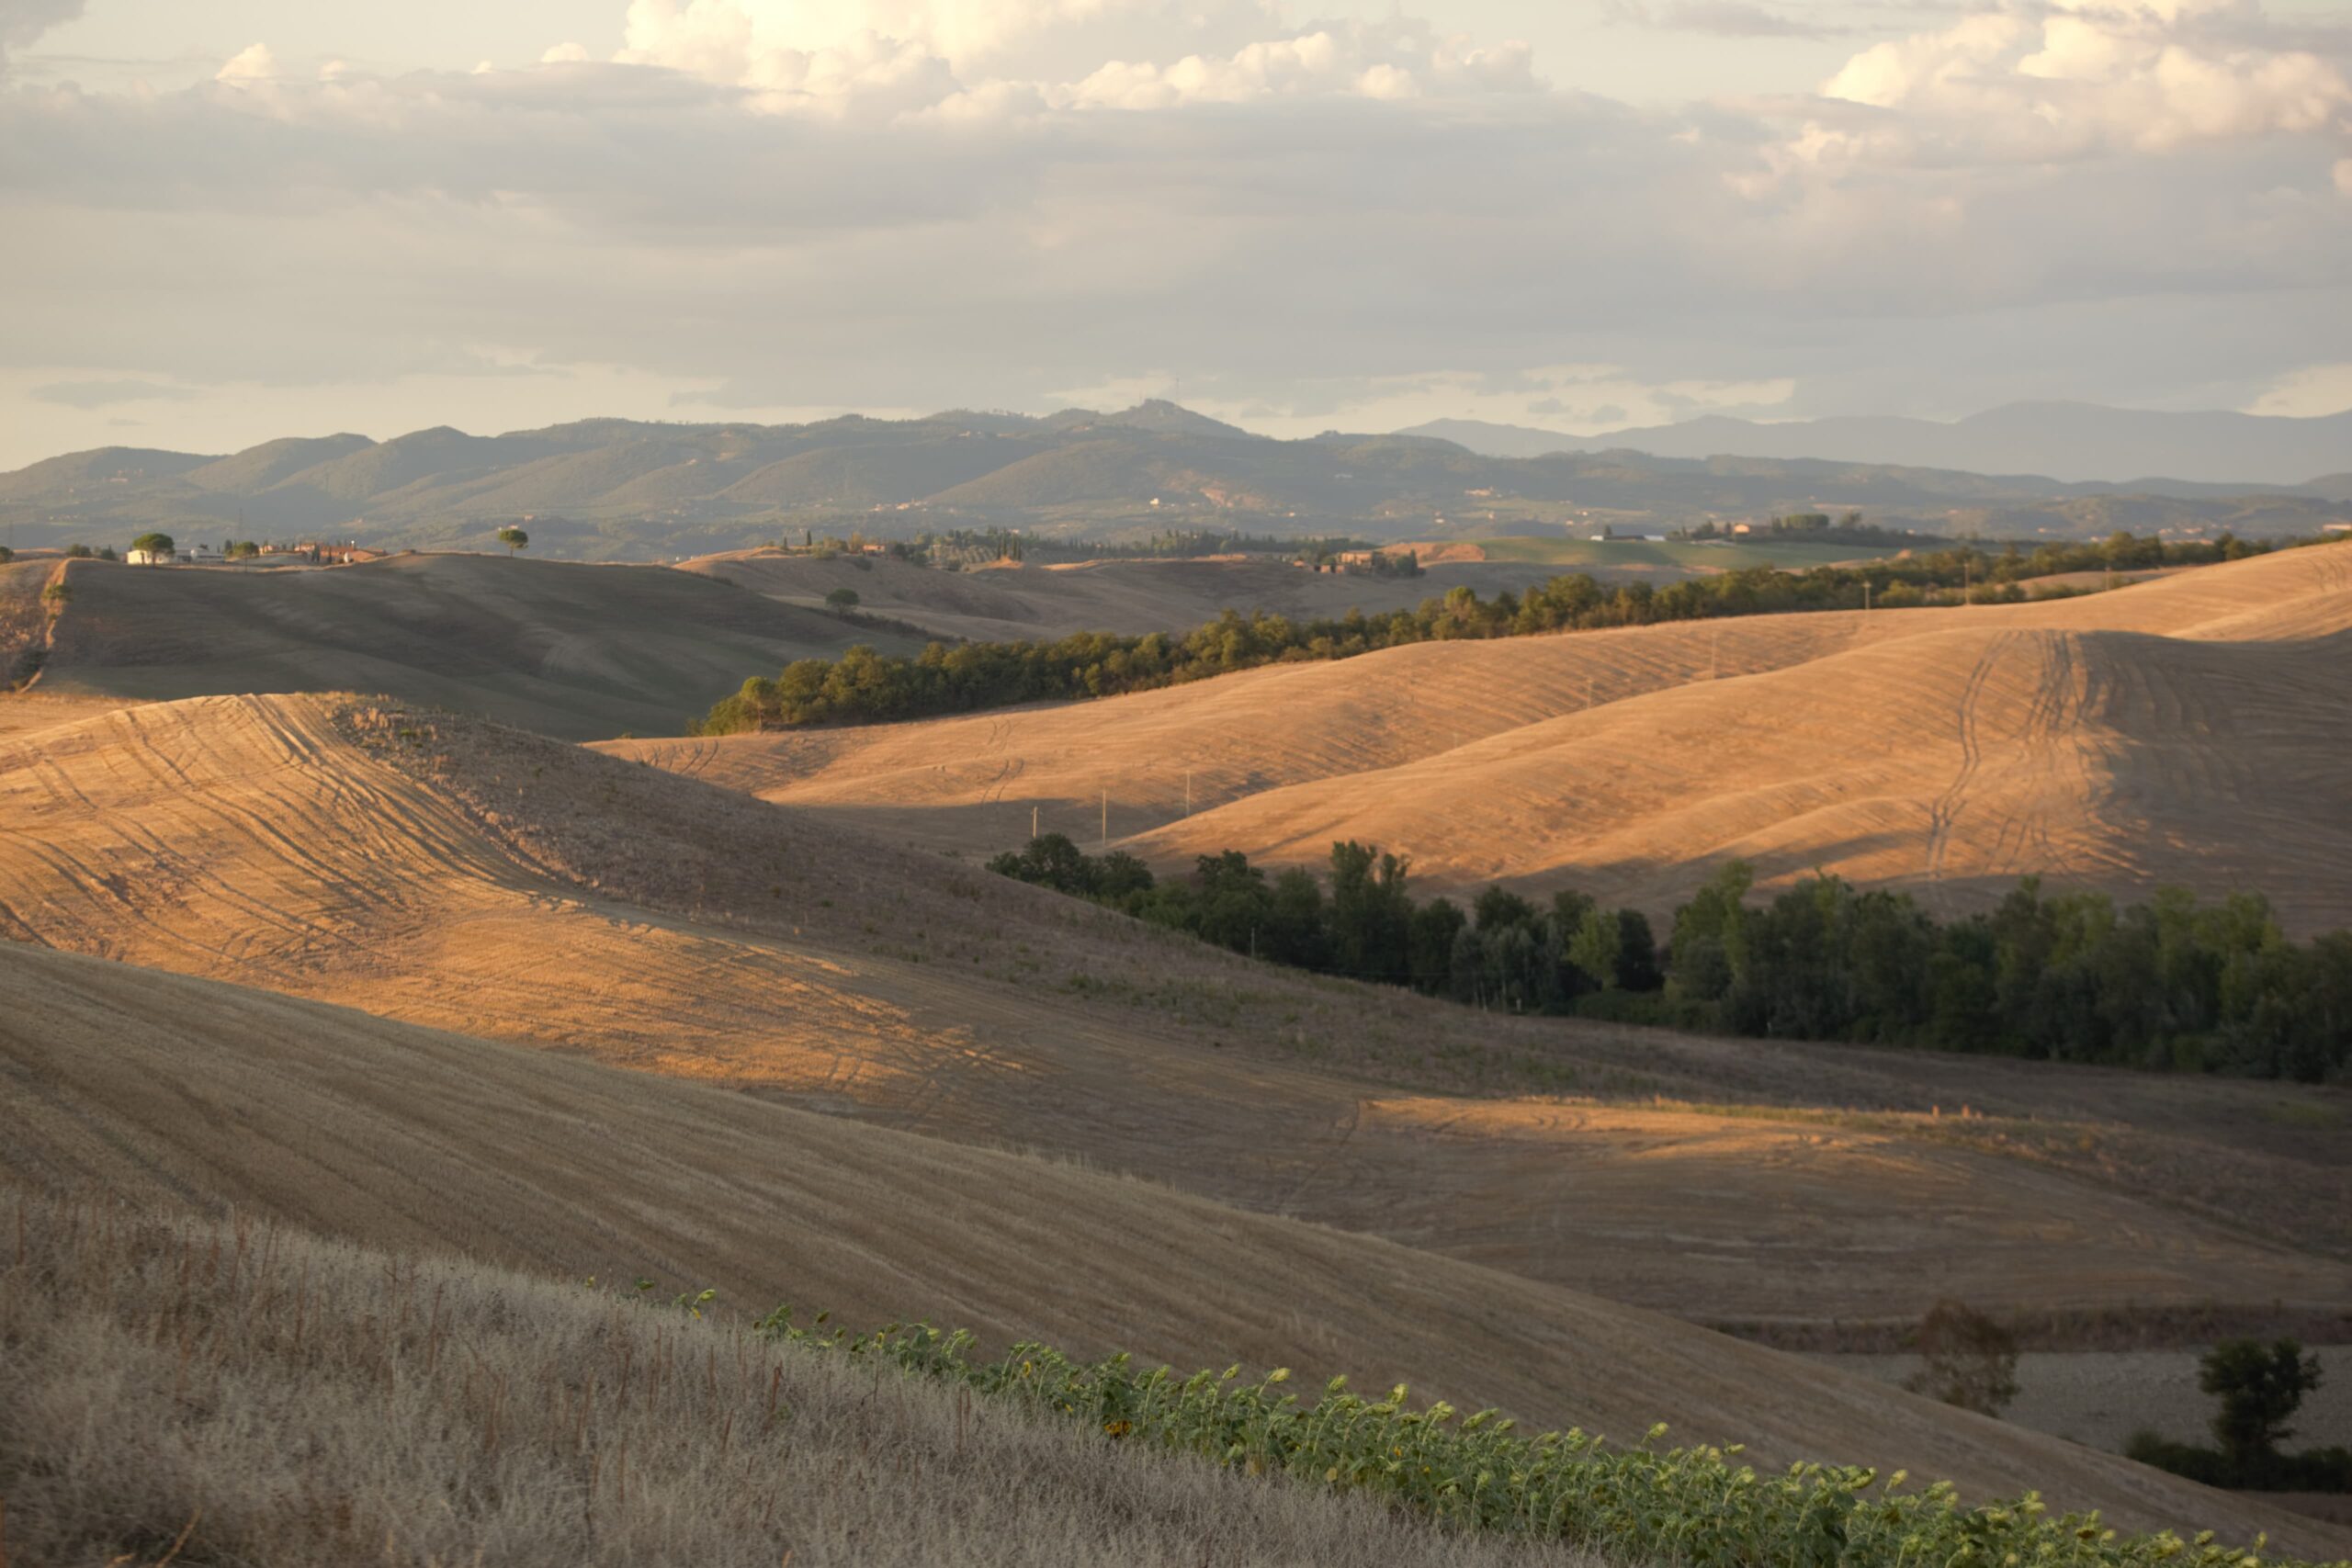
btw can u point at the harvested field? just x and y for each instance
(2185, 731)
(453, 874)
(583, 652)
(1013, 602)
(176, 1095)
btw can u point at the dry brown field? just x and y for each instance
(2189, 730)
(1012, 601)
(1540, 1213)
(580, 652)
(236, 1391)
(177, 1094)
(453, 874)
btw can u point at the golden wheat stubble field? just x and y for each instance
(2189, 732)
(175, 1093)
(453, 874)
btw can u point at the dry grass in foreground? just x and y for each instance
(249, 1395)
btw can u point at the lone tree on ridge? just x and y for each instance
(514, 539)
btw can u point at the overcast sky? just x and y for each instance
(222, 221)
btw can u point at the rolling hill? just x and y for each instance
(572, 651)
(120, 1081)
(1014, 603)
(616, 488)
(2186, 730)
(2070, 441)
(455, 874)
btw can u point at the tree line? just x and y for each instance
(2169, 982)
(864, 687)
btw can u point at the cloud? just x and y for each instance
(252, 64)
(110, 394)
(2306, 393)
(1397, 59)
(966, 61)
(2080, 80)
(22, 21)
(1721, 18)
(886, 204)
(1583, 399)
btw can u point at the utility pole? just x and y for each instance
(1188, 792)
(1866, 596)
(1033, 823)
(1106, 816)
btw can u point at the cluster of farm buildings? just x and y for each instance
(308, 551)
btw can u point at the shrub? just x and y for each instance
(1971, 1361)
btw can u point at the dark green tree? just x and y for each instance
(2260, 1387)
(1434, 927)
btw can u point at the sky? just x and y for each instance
(227, 221)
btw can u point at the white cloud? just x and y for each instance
(2142, 74)
(905, 55)
(2309, 393)
(730, 39)
(1580, 399)
(2344, 175)
(252, 64)
(565, 54)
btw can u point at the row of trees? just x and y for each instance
(2070, 976)
(863, 686)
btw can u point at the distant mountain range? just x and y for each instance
(2075, 442)
(608, 488)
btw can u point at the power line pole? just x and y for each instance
(1106, 816)
(1188, 792)
(1032, 822)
